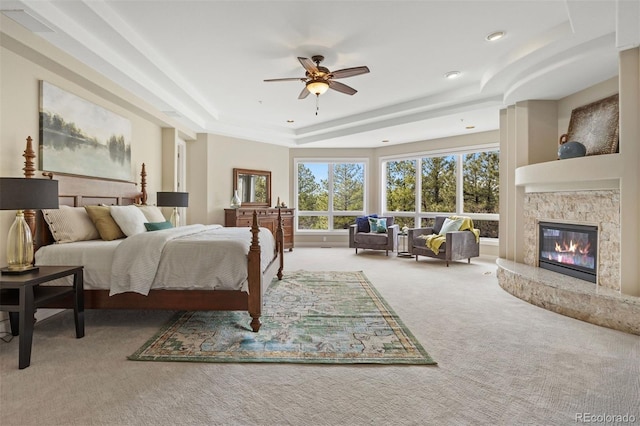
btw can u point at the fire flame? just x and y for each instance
(572, 247)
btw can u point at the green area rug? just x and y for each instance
(308, 317)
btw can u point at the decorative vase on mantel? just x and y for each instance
(235, 200)
(570, 149)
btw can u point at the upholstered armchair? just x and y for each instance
(456, 245)
(363, 237)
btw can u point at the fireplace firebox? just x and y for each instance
(569, 249)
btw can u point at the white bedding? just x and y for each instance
(188, 257)
(96, 256)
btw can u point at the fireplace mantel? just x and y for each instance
(593, 172)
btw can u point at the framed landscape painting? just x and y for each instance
(78, 137)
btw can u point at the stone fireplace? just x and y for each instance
(601, 303)
(600, 208)
(569, 249)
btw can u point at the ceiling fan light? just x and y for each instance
(317, 87)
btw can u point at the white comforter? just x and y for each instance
(187, 257)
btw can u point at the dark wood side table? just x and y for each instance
(20, 295)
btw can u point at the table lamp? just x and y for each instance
(24, 194)
(175, 200)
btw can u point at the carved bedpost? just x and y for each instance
(255, 276)
(143, 185)
(29, 171)
(280, 244)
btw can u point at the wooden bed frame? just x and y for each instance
(78, 191)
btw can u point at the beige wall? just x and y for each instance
(210, 163)
(566, 105)
(25, 59)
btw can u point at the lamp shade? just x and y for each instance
(173, 199)
(27, 194)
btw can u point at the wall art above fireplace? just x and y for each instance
(596, 126)
(569, 249)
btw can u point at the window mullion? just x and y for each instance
(418, 208)
(459, 184)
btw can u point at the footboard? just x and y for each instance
(255, 274)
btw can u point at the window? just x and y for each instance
(401, 186)
(454, 183)
(330, 195)
(481, 189)
(438, 184)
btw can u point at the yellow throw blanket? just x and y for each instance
(434, 241)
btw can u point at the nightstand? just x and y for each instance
(20, 295)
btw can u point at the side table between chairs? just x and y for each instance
(403, 245)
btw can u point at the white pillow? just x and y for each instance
(69, 224)
(450, 225)
(129, 218)
(152, 213)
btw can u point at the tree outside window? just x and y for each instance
(330, 195)
(481, 188)
(463, 183)
(438, 184)
(401, 186)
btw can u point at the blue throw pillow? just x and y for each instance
(378, 226)
(363, 223)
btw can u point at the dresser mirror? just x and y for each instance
(253, 186)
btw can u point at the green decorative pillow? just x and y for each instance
(451, 225)
(156, 226)
(378, 225)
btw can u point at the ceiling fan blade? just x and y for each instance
(308, 65)
(286, 79)
(350, 72)
(342, 88)
(304, 93)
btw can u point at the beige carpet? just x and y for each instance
(501, 361)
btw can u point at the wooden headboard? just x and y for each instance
(77, 191)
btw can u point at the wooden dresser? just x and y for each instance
(267, 217)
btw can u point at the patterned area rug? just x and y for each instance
(308, 317)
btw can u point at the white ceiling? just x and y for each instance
(206, 61)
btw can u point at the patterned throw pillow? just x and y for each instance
(378, 225)
(69, 224)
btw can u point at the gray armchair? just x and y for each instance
(373, 240)
(458, 245)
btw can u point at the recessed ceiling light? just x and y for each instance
(470, 127)
(452, 74)
(289, 121)
(385, 140)
(497, 35)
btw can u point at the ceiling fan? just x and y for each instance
(319, 79)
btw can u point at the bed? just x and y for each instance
(261, 259)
